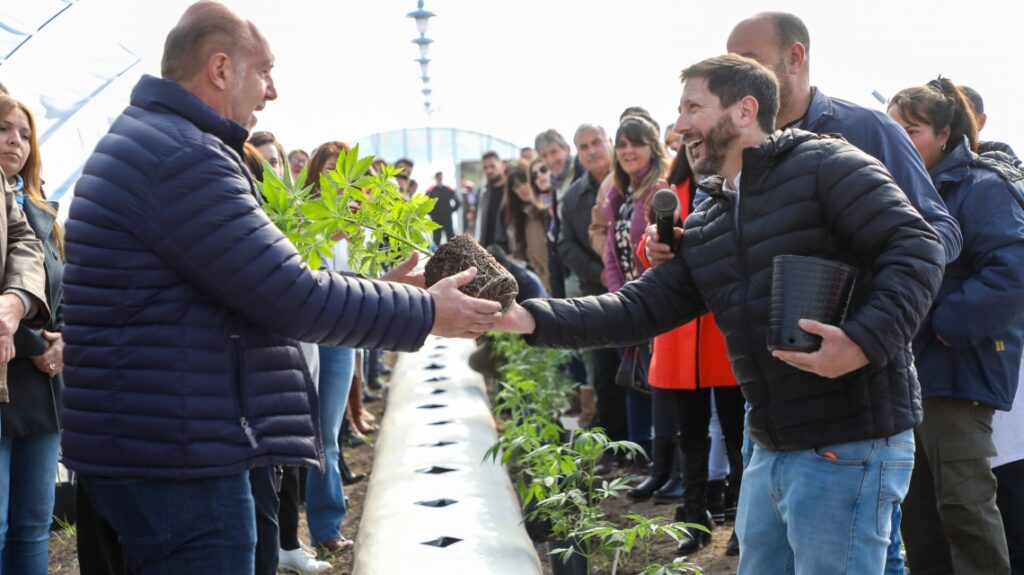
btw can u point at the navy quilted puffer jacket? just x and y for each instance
(183, 304)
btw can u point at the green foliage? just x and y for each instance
(558, 477)
(383, 228)
(619, 543)
(563, 480)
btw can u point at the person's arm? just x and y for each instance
(215, 235)
(865, 208)
(662, 299)
(992, 222)
(24, 275)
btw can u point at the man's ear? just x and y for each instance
(746, 111)
(796, 56)
(219, 69)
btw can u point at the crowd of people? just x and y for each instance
(167, 345)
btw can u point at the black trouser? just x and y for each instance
(99, 550)
(693, 411)
(611, 399)
(950, 520)
(446, 227)
(1010, 499)
(288, 518)
(264, 494)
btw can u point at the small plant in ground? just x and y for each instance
(618, 543)
(66, 530)
(382, 227)
(564, 481)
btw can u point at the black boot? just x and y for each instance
(732, 548)
(716, 500)
(695, 539)
(662, 453)
(672, 490)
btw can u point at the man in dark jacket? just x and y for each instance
(595, 154)
(183, 304)
(825, 424)
(446, 204)
(490, 204)
(781, 42)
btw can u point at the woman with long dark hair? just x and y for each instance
(525, 216)
(968, 350)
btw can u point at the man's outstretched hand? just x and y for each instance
(516, 319)
(458, 315)
(837, 356)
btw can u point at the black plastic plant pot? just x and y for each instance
(578, 564)
(538, 529)
(806, 288)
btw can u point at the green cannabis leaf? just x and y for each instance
(382, 227)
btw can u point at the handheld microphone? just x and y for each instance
(664, 203)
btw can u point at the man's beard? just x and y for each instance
(716, 143)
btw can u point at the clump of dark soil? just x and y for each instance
(492, 282)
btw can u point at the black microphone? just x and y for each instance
(664, 203)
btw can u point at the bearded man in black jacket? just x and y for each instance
(834, 445)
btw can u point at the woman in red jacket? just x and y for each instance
(689, 363)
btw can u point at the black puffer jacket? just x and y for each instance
(807, 195)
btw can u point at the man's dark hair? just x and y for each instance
(404, 162)
(491, 154)
(732, 77)
(976, 102)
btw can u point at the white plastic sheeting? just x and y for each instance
(433, 506)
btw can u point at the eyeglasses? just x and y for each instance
(541, 170)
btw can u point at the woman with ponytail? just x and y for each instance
(968, 351)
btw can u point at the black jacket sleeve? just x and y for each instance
(867, 209)
(661, 299)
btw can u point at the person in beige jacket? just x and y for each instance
(24, 279)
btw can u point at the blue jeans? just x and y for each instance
(173, 527)
(325, 499)
(822, 510)
(28, 471)
(894, 564)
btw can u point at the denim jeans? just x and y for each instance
(822, 510)
(173, 527)
(894, 563)
(28, 473)
(325, 499)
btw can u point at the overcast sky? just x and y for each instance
(345, 69)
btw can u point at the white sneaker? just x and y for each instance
(296, 561)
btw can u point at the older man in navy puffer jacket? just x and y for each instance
(184, 305)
